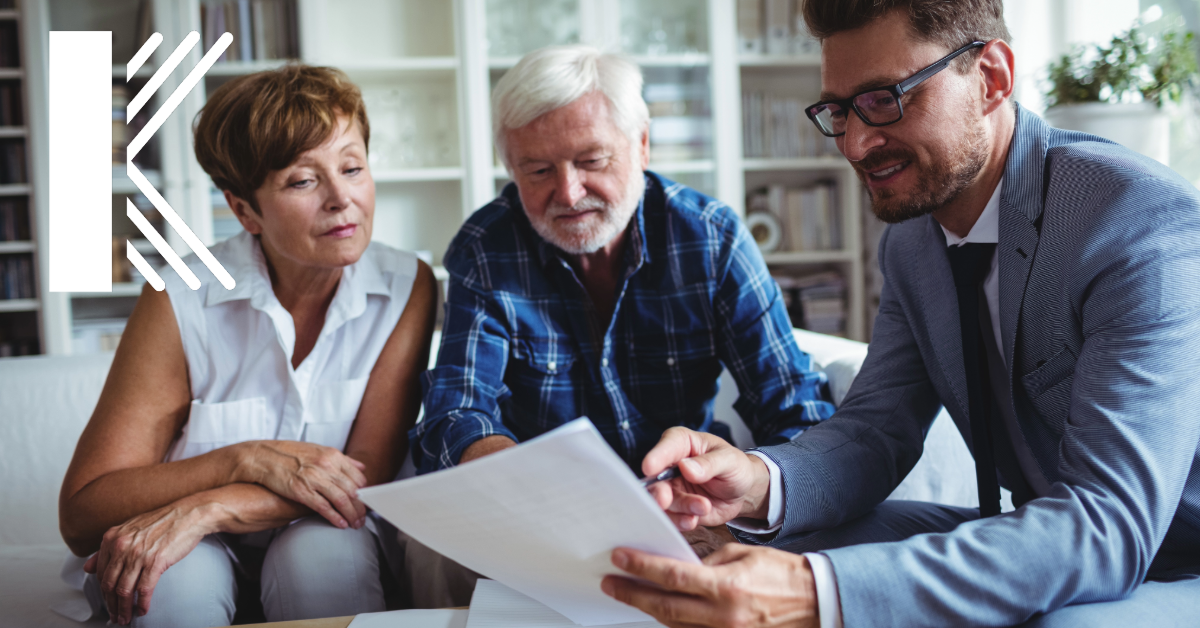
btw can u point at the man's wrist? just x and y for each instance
(756, 503)
(485, 446)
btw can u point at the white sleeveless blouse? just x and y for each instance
(239, 346)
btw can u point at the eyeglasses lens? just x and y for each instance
(878, 107)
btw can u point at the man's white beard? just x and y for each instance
(594, 233)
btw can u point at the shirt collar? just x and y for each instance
(987, 227)
(242, 256)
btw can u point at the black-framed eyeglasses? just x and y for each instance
(880, 106)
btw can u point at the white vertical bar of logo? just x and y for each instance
(80, 192)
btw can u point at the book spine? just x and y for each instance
(245, 41)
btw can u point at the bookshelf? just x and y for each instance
(20, 293)
(426, 68)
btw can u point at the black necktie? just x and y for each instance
(970, 264)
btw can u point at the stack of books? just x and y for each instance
(773, 27)
(14, 219)
(680, 121)
(776, 127)
(11, 109)
(816, 302)
(10, 45)
(808, 215)
(12, 162)
(261, 29)
(16, 277)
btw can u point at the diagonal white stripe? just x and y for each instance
(161, 74)
(180, 93)
(143, 53)
(180, 227)
(147, 271)
(161, 245)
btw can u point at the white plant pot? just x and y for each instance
(1139, 126)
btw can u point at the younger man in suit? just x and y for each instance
(1042, 285)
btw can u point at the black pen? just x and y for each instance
(670, 473)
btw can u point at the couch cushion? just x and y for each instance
(45, 402)
(30, 584)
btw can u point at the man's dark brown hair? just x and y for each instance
(262, 122)
(950, 23)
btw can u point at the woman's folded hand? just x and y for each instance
(321, 478)
(134, 555)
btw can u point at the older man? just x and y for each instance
(593, 288)
(1042, 285)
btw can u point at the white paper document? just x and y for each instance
(542, 518)
(416, 618)
(496, 606)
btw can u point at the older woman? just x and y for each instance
(236, 426)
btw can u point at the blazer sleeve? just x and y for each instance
(842, 468)
(1129, 442)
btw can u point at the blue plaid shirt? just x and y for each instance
(523, 350)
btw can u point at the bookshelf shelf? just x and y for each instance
(118, 290)
(672, 61)
(12, 73)
(401, 64)
(808, 257)
(798, 163)
(417, 174)
(13, 131)
(17, 247)
(146, 71)
(780, 61)
(9, 14)
(19, 305)
(121, 184)
(672, 167)
(14, 189)
(238, 68)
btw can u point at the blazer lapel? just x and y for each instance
(1021, 205)
(939, 306)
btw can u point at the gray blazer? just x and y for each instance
(1100, 315)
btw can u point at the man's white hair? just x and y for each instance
(556, 76)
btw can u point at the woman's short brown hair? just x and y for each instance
(950, 23)
(263, 121)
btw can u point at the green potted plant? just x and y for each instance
(1117, 90)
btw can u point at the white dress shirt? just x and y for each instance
(239, 346)
(985, 231)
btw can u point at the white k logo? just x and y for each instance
(72, 242)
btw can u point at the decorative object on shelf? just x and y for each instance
(773, 27)
(765, 229)
(262, 29)
(664, 27)
(809, 215)
(1117, 90)
(515, 27)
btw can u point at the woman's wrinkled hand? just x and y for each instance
(321, 478)
(135, 554)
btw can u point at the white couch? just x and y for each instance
(46, 401)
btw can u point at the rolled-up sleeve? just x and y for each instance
(780, 395)
(463, 393)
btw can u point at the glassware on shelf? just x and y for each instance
(680, 113)
(516, 27)
(412, 126)
(664, 27)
